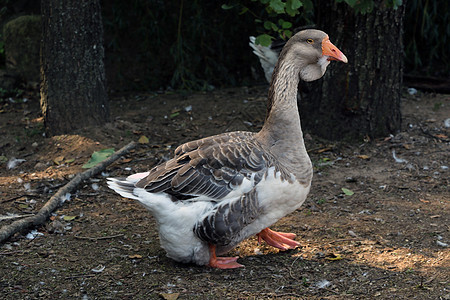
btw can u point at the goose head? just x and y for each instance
(312, 51)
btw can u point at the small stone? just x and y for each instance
(40, 166)
(353, 234)
(56, 227)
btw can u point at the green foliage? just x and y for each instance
(11, 93)
(321, 201)
(98, 157)
(347, 192)
(276, 17)
(264, 39)
(427, 29)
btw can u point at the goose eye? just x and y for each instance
(310, 41)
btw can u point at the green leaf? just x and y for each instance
(295, 4)
(268, 25)
(69, 218)
(292, 7)
(243, 11)
(347, 191)
(287, 34)
(286, 25)
(98, 157)
(264, 40)
(351, 3)
(277, 6)
(227, 6)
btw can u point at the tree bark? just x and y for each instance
(73, 90)
(362, 98)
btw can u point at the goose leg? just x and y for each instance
(222, 262)
(280, 240)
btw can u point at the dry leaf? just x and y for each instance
(173, 296)
(334, 256)
(135, 256)
(143, 140)
(362, 156)
(324, 149)
(58, 160)
(69, 218)
(441, 136)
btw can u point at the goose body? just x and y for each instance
(218, 191)
(267, 56)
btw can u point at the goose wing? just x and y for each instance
(211, 167)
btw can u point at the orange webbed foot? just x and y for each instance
(222, 262)
(280, 240)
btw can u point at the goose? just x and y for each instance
(220, 190)
(268, 56)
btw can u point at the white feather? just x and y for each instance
(267, 57)
(113, 184)
(138, 176)
(176, 220)
(277, 198)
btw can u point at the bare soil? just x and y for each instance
(388, 240)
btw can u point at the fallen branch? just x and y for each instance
(58, 199)
(17, 197)
(3, 218)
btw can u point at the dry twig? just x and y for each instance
(17, 197)
(58, 199)
(97, 238)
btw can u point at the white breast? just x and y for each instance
(278, 198)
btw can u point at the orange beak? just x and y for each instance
(332, 51)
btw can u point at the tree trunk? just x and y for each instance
(73, 90)
(362, 98)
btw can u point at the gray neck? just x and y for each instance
(281, 132)
(282, 119)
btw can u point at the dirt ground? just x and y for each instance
(388, 240)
